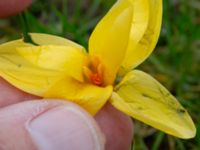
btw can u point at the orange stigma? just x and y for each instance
(93, 71)
(96, 79)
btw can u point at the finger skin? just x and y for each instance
(12, 7)
(117, 127)
(13, 135)
(48, 125)
(11, 95)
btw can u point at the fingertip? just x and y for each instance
(51, 124)
(12, 7)
(117, 127)
(65, 127)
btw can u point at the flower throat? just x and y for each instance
(93, 71)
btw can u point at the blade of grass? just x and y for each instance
(139, 143)
(93, 8)
(180, 145)
(158, 140)
(37, 25)
(77, 10)
(25, 28)
(66, 26)
(197, 138)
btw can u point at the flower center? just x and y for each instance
(93, 71)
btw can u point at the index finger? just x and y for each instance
(12, 7)
(11, 95)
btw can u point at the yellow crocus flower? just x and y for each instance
(59, 68)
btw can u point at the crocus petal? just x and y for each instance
(110, 38)
(24, 75)
(69, 60)
(35, 69)
(41, 39)
(88, 96)
(138, 51)
(46, 39)
(142, 97)
(139, 23)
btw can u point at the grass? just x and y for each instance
(175, 62)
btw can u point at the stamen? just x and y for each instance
(100, 69)
(94, 62)
(93, 71)
(87, 72)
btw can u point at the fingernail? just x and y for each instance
(65, 128)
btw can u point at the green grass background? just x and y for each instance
(175, 61)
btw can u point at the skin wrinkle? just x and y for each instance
(10, 129)
(32, 110)
(23, 114)
(98, 138)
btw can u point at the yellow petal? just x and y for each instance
(47, 39)
(40, 39)
(110, 38)
(69, 60)
(10, 47)
(25, 76)
(138, 51)
(88, 96)
(36, 76)
(139, 23)
(142, 97)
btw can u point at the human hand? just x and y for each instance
(56, 124)
(11, 7)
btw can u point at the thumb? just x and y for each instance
(48, 125)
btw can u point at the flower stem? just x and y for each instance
(25, 28)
